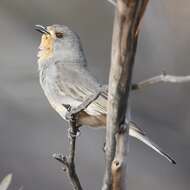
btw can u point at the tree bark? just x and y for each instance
(128, 15)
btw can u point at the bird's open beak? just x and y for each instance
(41, 29)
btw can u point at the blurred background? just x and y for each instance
(30, 130)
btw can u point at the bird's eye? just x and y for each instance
(59, 34)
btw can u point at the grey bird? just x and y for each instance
(66, 80)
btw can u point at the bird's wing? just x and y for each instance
(76, 82)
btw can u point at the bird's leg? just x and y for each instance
(73, 130)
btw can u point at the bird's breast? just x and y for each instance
(46, 47)
(47, 75)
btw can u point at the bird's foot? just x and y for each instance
(73, 133)
(72, 113)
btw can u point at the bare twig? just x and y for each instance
(69, 162)
(161, 78)
(125, 34)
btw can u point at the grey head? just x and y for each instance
(60, 43)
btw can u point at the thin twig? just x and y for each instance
(161, 78)
(125, 34)
(69, 162)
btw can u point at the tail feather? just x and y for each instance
(140, 135)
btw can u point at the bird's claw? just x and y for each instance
(71, 113)
(69, 116)
(72, 134)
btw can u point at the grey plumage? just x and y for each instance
(66, 80)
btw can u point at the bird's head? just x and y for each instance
(59, 42)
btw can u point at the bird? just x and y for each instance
(66, 81)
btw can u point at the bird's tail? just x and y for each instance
(140, 135)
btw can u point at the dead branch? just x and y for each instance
(161, 78)
(125, 34)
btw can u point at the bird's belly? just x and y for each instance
(92, 120)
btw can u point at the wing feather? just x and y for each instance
(77, 83)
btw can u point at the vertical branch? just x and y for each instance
(128, 15)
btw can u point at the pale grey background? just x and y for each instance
(30, 131)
